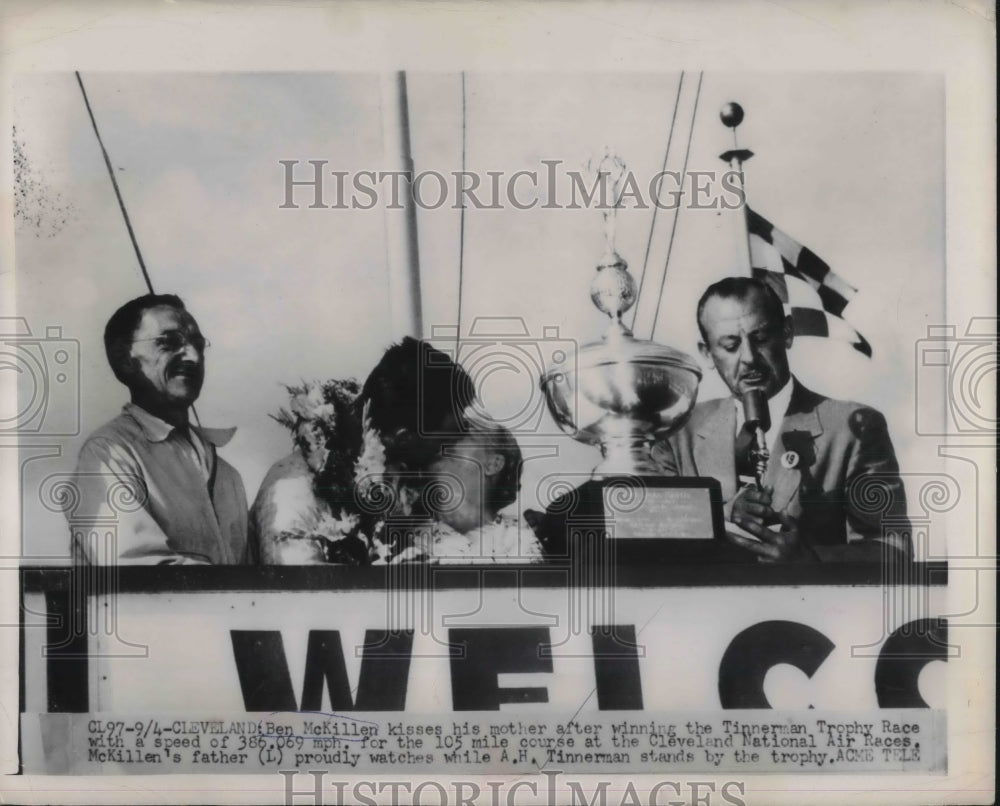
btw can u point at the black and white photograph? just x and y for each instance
(423, 430)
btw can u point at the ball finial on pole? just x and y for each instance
(731, 114)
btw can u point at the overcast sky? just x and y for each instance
(851, 165)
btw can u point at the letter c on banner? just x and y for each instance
(752, 653)
(903, 657)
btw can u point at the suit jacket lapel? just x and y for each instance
(715, 445)
(784, 482)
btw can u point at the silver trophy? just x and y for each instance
(624, 392)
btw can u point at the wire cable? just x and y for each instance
(114, 184)
(673, 228)
(656, 207)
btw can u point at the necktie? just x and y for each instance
(745, 465)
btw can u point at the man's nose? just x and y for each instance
(190, 353)
(748, 353)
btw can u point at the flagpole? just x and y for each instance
(732, 116)
(402, 252)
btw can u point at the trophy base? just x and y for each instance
(626, 520)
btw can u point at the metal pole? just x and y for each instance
(732, 116)
(402, 253)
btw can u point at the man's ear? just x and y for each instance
(788, 331)
(706, 355)
(494, 464)
(124, 365)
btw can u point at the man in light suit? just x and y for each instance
(832, 489)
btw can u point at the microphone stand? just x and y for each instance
(760, 456)
(758, 417)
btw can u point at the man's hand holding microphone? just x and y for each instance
(771, 536)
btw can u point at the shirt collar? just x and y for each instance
(777, 405)
(157, 430)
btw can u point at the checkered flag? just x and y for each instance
(813, 294)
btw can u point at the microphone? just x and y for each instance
(755, 410)
(758, 418)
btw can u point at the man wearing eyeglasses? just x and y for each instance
(150, 480)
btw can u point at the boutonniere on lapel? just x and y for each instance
(800, 452)
(789, 460)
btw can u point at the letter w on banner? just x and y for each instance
(814, 295)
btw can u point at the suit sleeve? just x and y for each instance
(874, 493)
(111, 489)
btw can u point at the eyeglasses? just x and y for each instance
(174, 341)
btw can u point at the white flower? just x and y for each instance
(369, 470)
(343, 525)
(380, 553)
(309, 403)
